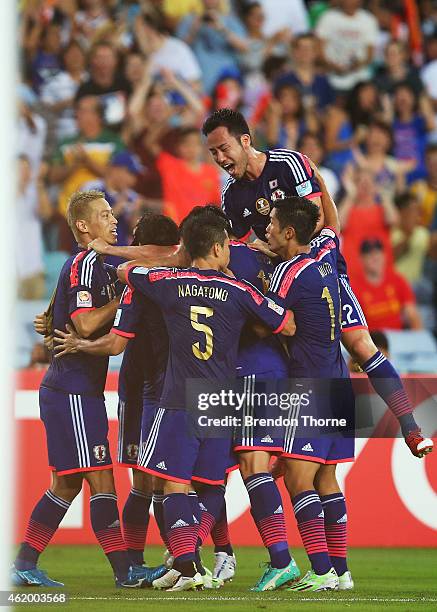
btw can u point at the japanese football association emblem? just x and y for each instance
(100, 452)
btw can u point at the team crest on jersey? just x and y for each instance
(100, 452)
(262, 206)
(304, 189)
(84, 299)
(132, 451)
(278, 194)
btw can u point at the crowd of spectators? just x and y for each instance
(113, 93)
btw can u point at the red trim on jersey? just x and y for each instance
(127, 296)
(246, 236)
(313, 196)
(291, 274)
(128, 269)
(332, 229)
(207, 481)
(281, 327)
(269, 449)
(164, 274)
(333, 461)
(164, 476)
(74, 276)
(108, 466)
(347, 329)
(304, 457)
(308, 168)
(118, 332)
(79, 310)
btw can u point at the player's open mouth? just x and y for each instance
(114, 232)
(230, 168)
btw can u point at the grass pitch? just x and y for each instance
(394, 579)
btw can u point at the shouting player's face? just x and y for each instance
(229, 152)
(102, 223)
(276, 237)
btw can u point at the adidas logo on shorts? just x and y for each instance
(266, 439)
(308, 448)
(161, 465)
(179, 523)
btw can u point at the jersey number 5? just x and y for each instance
(195, 311)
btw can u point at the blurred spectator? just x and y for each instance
(43, 46)
(349, 35)
(197, 183)
(396, 69)
(106, 83)
(176, 11)
(83, 157)
(31, 136)
(58, 93)
(410, 240)
(280, 14)
(29, 249)
(215, 38)
(346, 127)
(287, 119)
(412, 119)
(40, 356)
(90, 22)
(313, 85)
(426, 189)
(362, 214)
(429, 78)
(311, 145)
(118, 186)
(385, 296)
(166, 52)
(228, 92)
(388, 172)
(134, 67)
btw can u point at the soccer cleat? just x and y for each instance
(187, 583)
(209, 582)
(345, 582)
(168, 559)
(315, 582)
(419, 445)
(224, 566)
(274, 578)
(141, 576)
(167, 580)
(32, 577)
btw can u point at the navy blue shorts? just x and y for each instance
(77, 431)
(173, 451)
(352, 313)
(329, 449)
(252, 435)
(129, 430)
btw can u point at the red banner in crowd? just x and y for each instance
(391, 495)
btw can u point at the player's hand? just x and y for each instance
(263, 247)
(66, 342)
(99, 245)
(40, 324)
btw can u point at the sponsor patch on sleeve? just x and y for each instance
(304, 189)
(274, 306)
(84, 299)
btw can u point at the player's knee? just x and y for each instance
(101, 481)
(325, 481)
(66, 487)
(252, 463)
(142, 481)
(360, 345)
(175, 487)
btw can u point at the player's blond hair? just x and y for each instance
(78, 207)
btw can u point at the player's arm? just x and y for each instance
(330, 212)
(131, 252)
(175, 259)
(289, 328)
(70, 342)
(267, 312)
(88, 321)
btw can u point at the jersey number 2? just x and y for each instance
(195, 311)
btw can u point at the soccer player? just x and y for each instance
(204, 310)
(258, 179)
(72, 403)
(307, 283)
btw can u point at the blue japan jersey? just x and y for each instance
(308, 285)
(85, 283)
(247, 204)
(145, 357)
(255, 355)
(204, 311)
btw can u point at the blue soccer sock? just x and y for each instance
(181, 532)
(43, 523)
(105, 522)
(334, 507)
(310, 521)
(135, 524)
(268, 514)
(158, 511)
(388, 385)
(211, 502)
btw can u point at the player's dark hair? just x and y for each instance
(156, 229)
(233, 120)
(201, 232)
(208, 209)
(299, 213)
